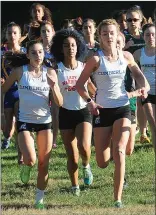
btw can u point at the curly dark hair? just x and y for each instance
(57, 43)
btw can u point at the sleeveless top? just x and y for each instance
(89, 52)
(109, 79)
(67, 79)
(138, 42)
(148, 67)
(129, 80)
(34, 98)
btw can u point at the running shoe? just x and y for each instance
(87, 176)
(39, 205)
(144, 139)
(75, 191)
(118, 204)
(5, 144)
(25, 173)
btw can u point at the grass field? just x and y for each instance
(138, 197)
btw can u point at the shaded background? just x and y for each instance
(18, 11)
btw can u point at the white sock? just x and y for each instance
(88, 166)
(74, 187)
(39, 195)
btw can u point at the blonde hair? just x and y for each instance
(106, 22)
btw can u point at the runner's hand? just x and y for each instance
(94, 108)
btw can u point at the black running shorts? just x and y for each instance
(69, 119)
(108, 116)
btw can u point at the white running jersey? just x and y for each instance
(109, 79)
(67, 79)
(34, 98)
(148, 67)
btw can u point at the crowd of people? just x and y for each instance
(94, 84)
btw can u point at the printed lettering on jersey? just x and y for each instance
(112, 72)
(70, 80)
(34, 88)
(148, 65)
(70, 88)
(138, 45)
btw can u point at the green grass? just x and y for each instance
(138, 198)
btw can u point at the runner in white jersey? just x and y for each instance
(147, 58)
(74, 117)
(111, 110)
(34, 83)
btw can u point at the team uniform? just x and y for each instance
(129, 81)
(11, 96)
(130, 87)
(48, 59)
(89, 51)
(111, 93)
(74, 109)
(138, 42)
(34, 110)
(148, 67)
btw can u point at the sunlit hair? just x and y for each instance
(138, 10)
(47, 12)
(146, 26)
(45, 22)
(58, 40)
(4, 31)
(31, 43)
(13, 24)
(89, 20)
(107, 22)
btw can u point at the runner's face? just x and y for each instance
(133, 21)
(122, 22)
(89, 29)
(47, 33)
(120, 42)
(108, 35)
(37, 13)
(36, 54)
(149, 36)
(69, 47)
(13, 34)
